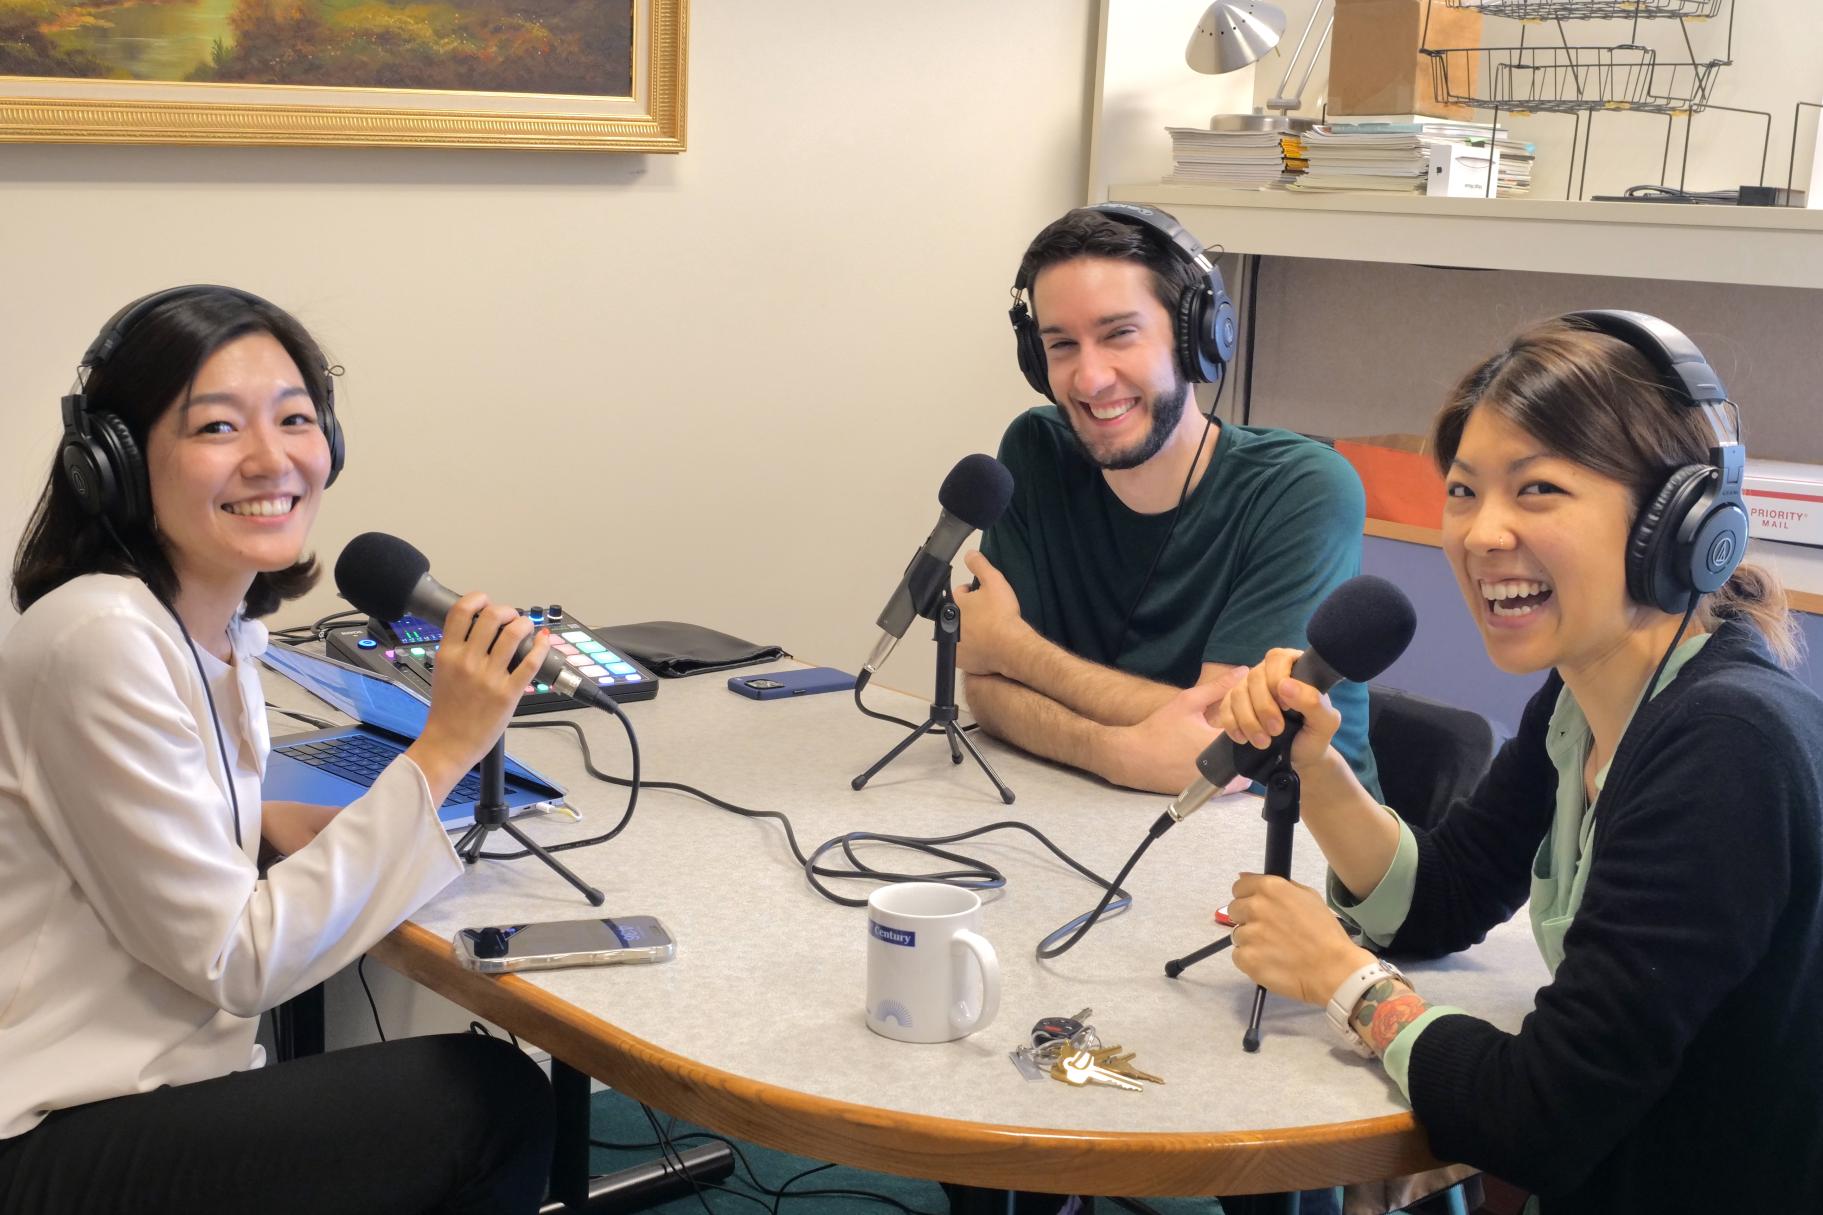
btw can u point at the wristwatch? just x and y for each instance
(1342, 1005)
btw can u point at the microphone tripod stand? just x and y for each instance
(943, 711)
(1272, 768)
(491, 815)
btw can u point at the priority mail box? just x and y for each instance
(1785, 501)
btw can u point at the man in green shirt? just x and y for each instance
(1148, 552)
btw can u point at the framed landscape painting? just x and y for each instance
(588, 75)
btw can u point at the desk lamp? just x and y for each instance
(1235, 33)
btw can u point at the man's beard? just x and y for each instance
(1167, 410)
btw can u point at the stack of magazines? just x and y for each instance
(1396, 155)
(1238, 160)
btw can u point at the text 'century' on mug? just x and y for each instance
(931, 975)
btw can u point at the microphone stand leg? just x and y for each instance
(491, 815)
(1178, 966)
(595, 897)
(860, 781)
(1250, 1041)
(943, 709)
(957, 735)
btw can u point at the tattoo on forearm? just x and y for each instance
(1388, 1007)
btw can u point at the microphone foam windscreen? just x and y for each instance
(377, 572)
(1362, 627)
(977, 491)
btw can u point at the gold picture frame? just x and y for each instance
(48, 109)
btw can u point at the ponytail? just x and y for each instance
(1754, 595)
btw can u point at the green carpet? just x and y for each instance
(619, 1120)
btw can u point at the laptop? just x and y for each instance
(333, 767)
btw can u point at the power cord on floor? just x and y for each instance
(666, 1141)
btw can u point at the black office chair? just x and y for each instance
(1428, 753)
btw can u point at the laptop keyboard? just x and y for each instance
(361, 758)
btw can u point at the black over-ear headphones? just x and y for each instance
(1203, 325)
(99, 457)
(1692, 533)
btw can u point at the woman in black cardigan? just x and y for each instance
(1670, 845)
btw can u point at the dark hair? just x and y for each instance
(1086, 232)
(150, 371)
(1594, 400)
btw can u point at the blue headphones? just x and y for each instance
(1692, 533)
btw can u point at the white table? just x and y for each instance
(756, 1029)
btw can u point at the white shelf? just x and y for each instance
(1762, 246)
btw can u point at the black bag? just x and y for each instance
(670, 648)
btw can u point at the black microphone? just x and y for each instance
(1356, 633)
(387, 578)
(974, 496)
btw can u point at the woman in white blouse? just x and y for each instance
(139, 940)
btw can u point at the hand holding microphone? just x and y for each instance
(488, 655)
(1273, 698)
(1356, 633)
(387, 578)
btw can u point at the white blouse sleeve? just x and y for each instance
(122, 783)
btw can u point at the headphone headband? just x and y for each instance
(1680, 365)
(1692, 533)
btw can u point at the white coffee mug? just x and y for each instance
(931, 975)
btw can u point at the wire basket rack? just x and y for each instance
(1570, 79)
(1582, 10)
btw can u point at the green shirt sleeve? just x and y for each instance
(1398, 1057)
(1379, 915)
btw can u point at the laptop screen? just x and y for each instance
(367, 698)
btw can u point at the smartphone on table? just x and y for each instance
(777, 684)
(501, 948)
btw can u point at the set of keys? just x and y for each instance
(1069, 1049)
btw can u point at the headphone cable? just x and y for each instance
(1120, 638)
(221, 744)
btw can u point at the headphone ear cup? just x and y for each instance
(1187, 334)
(1204, 332)
(1030, 347)
(1717, 544)
(111, 438)
(103, 466)
(338, 450)
(1655, 575)
(87, 475)
(1224, 331)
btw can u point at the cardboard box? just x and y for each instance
(1400, 477)
(1784, 502)
(1374, 62)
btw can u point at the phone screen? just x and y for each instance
(509, 941)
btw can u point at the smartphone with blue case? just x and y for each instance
(776, 685)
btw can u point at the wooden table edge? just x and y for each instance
(1139, 1164)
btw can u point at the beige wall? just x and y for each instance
(722, 386)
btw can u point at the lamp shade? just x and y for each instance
(1232, 34)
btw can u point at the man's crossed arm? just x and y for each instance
(1038, 696)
